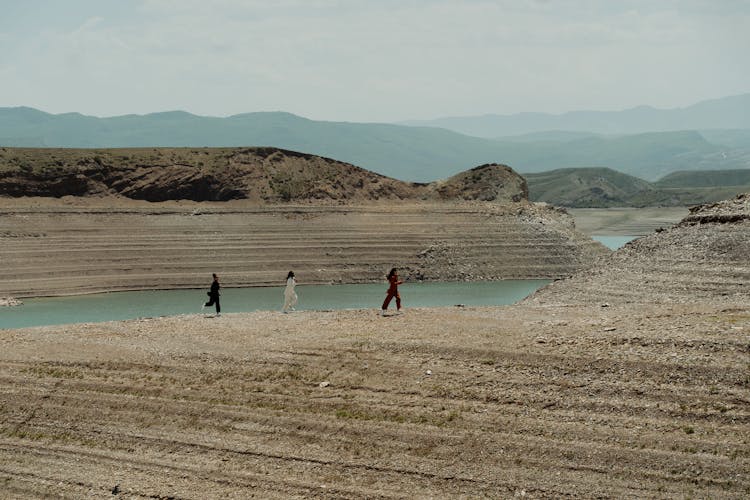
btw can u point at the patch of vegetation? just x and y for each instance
(438, 419)
(54, 372)
(287, 186)
(706, 179)
(48, 435)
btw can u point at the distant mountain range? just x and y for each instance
(725, 113)
(420, 154)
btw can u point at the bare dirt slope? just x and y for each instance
(541, 402)
(81, 245)
(626, 221)
(705, 256)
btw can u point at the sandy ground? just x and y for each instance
(520, 401)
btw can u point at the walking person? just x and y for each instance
(213, 295)
(290, 296)
(393, 283)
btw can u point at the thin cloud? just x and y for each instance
(379, 61)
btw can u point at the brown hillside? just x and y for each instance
(704, 257)
(264, 175)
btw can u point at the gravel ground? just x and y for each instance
(534, 401)
(616, 383)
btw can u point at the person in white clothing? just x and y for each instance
(290, 296)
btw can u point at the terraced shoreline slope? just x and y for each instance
(53, 248)
(704, 257)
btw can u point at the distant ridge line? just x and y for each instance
(419, 154)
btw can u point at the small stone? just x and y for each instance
(325, 383)
(610, 329)
(428, 372)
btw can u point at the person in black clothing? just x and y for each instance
(213, 295)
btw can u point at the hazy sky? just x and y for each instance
(370, 60)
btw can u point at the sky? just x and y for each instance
(370, 60)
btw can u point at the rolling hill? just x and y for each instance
(721, 178)
(604, 187)
(271, 175)
(261, 175)
(584, 187)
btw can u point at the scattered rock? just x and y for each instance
(325, 383)
(9, 302)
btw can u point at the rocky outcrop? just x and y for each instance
(723, 212)
(704, 257)
(20, 183)
(490, 182)
(9, 302)
(263, 175)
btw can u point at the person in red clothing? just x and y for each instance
(393, 283)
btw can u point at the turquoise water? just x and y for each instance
(129, 305)
(613, 242)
